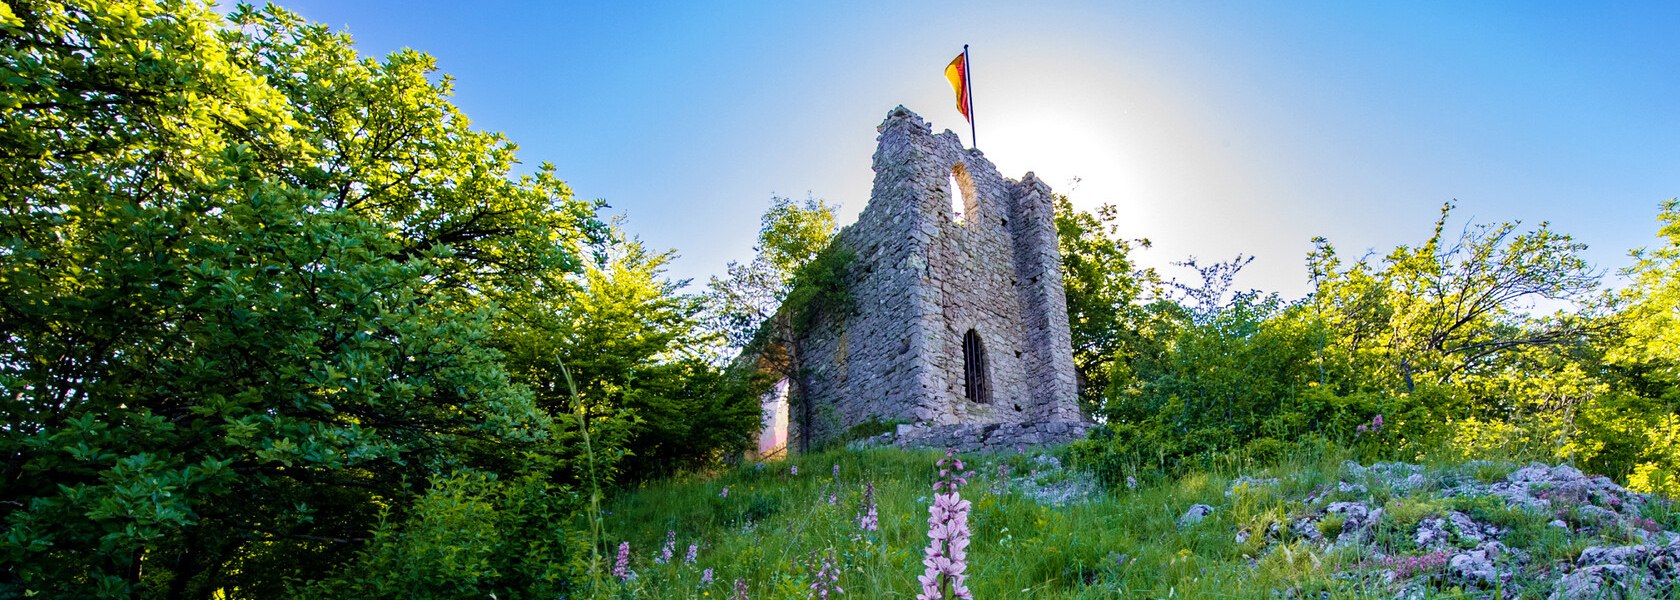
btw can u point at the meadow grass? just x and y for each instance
(774, 526)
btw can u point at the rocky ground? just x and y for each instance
(1489, 529)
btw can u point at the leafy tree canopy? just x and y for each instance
(1105, 292)
(251, 288)
(790, 236)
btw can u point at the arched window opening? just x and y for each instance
(957, 204)
(773, 421)
(964, 203)
(975, 386)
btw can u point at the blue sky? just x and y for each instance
(1217, 128)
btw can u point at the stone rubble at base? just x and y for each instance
(984, 437)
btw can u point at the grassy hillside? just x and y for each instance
(1316, 523)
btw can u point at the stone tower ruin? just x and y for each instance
(958, 331)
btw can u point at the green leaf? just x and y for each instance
(8, 19)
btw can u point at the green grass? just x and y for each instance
(774, 527)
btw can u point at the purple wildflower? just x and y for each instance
(947, 552)
(1407, 566)
(724, 493)
(827, 578)
(867, 519)
(706, 576)
(621, 569)
(837, 471)
(1374, 426)
(740, 589)
(833, 500)
(692, 550)
(793, 470)
(670, 547)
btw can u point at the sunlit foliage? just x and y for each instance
(267, 309)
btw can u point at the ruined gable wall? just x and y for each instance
(867, 364)
(1038, 264)
(972, 275)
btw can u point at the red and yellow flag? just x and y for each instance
(957, 72)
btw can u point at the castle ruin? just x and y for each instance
(958, 331)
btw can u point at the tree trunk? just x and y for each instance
(1406, 372)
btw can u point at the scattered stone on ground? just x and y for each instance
(1046, 481)
(1249, 483)
(1627, 554)
(1358, 521)
(1195, 515)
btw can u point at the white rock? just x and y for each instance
(1195, 515)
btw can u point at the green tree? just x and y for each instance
(385, 142)
(634, 344)
(1437, 337)
(248, 283)
(1217, 370)
(1646, 356)
(1106, 293)
(1651, 313)
(1444, 337)
(790, 236)
(1448, 313)
(763, 305)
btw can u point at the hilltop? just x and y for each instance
(281, 323)
(1317, 524)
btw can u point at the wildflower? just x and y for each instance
(670, 547)
(947, 552)
(706, 576)
(1374, 426)
(1002, 483)
(692, 550)
(1407, 566)
(867, 519)
(621, 569)
(740, 589)
(837, 471)
(724, 493)
(793, 470)
(833, 500)
(827, 578)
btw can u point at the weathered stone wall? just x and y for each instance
(922, 279)
(984, 437)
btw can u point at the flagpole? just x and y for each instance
(968, 81)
